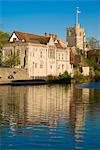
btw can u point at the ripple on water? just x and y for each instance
(56, 117)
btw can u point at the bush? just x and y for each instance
(12, 61)
(61, 78)
(65, 75)
(79, 78)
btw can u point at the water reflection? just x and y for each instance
(53, 116)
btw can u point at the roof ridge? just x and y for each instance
(29, 33)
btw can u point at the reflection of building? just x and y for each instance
(57, 107)
(78, 106)
(48, 104)
(44, 104)
(41, 55)
(37, 104)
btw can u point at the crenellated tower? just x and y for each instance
(76, 34)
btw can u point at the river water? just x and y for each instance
(49, 117)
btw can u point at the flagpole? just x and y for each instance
(77, 15)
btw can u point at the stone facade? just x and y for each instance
(76, 37)
(41, 60)
(13, 74)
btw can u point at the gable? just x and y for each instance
(13, 36)
(28, 38)
(51, 41)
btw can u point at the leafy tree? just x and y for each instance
(65, 75)
(91, 42)
(3, 39)
(0, 58)
(12, 60)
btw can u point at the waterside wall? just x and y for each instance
(8, 74)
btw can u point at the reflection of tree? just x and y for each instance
(94, 96)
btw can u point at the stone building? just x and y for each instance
(76, 37)
(40, 55)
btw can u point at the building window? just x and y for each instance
(41, 65)
(14, 39)
(58, 66)
(41, 54)
(50, 66)
(62, 66)
(9, 52)
(51, 52)
(62, 56)
(59, 56)
(35, 65)
(69, 33)
(33, 54)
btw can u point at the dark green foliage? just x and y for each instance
(12, 61)
(0, 58)
(80, 69)
(79, 78)
(91, 42)
(62, 78)
(4, 37)
(64, 75)
(3, 41)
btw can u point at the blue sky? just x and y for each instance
(51, 16)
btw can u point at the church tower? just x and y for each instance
(76, 34)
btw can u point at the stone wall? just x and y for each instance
(13, 73)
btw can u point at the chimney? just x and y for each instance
(46, 34)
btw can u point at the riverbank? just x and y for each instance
(35, 82)
(85, 79)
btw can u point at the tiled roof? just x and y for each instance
(83, 64)
(58, 45)
(32, 38)
(79, 60)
